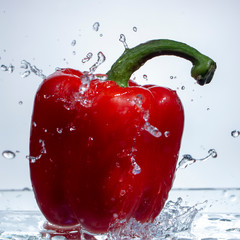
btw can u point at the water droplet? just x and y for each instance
(147, 126)
(43, 149)
(146, 116)
(138, 101)
(4, 68)
(31, 68)
(87, 58)
(59, 130)
(135, 29)
(235, 133)
(33, 159)
(183, 87)
(74, 52)
(11, 68)
(73, 43)
(117, 164)
(136, 168)
(96, 26)
(73, 128)
(25, 74)
(152, 130)
(212, 153)
(188, 159)
(8, 154)
(145, 77)
(123, 40)
(122, 192)
(233, 197)
(20, 102)
(101, 59)
(166, 134)
(24, 65)
(85, 80)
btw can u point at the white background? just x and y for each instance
(41, 32)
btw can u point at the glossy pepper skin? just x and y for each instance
(103, 151)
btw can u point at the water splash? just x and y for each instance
(123, 40)
(136, 168)
(33, 159)
(9, 68)
(29, 68)
(154, 131)
(173, 219)
(87, 58)
(189, 160)
(101, 59)
(25, 74)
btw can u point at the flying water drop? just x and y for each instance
(189, 160)
(101, 59)
(8, 154)
(235, 133)
(4, 68)
(11, 68)
(31, 69)
(123, 40)
(87, 58)
(145, 77)
(96, 26)
(25, 74)
(73, 43)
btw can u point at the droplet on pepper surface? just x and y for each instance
(166, 134)
(152, 130)
(136, 168)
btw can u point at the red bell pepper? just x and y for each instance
(103, 150)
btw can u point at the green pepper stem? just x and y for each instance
(132, 59)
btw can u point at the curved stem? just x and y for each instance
(132, 59)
